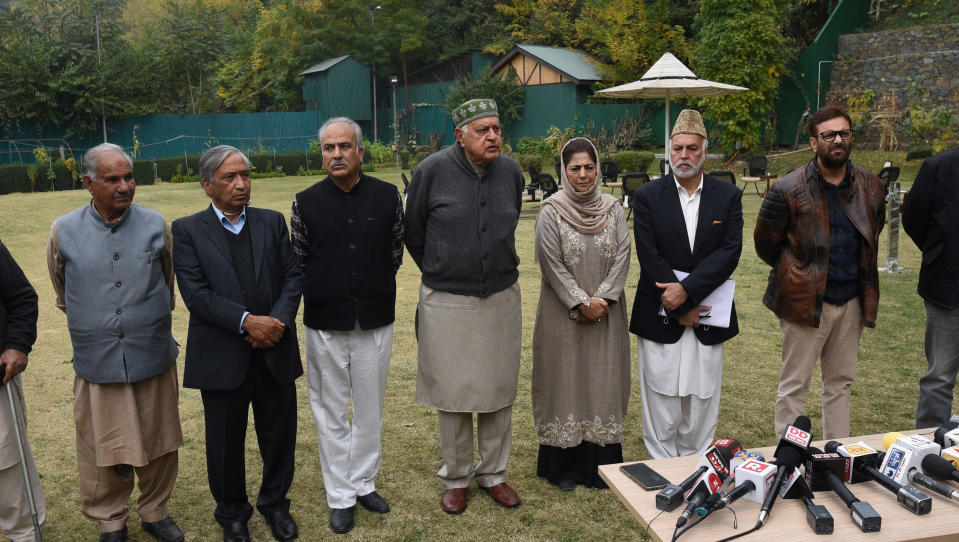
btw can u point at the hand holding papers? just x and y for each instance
(721, 301)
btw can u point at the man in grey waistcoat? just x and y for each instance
(112, 270)
(462, 209)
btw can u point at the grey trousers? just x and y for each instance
(942, 354)
(494, 438)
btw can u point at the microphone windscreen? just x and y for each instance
(789, 457)
(813, 450)
(832, 446)
(802, 422)
(943, 429)
(937, 467)
(889, 439)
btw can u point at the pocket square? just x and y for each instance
(717, 222)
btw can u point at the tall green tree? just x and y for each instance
(629, 35)
(541, 22)
(740, 42)
(505, 91)
(50, 72)
(190, 42)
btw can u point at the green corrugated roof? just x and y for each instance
(325, 65)
(576, 64)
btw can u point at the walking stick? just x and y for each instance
(23, 459)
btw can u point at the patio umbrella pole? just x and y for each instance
(666, 137)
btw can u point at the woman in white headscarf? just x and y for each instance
(581, 355)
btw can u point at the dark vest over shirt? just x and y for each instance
(349, 263)
(241, 250)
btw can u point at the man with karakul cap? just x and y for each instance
(462, 210)
(684, 221)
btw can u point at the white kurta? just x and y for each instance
(681, 382)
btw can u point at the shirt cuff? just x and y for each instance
(242, 318)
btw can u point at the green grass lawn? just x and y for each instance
(884, 398)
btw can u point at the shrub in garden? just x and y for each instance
(631, 161)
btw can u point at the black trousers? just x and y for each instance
(226, 413)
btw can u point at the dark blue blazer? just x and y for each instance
(663, 245)
(217, 356)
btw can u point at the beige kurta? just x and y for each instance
(469, 350)
(581, 371)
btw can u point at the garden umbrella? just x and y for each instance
(669, 78)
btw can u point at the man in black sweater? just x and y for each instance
(462, 209)
(931, 217)
(18, 331)
(347, 233)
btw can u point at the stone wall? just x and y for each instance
(902, 68)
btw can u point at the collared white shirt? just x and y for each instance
(690, 205)
(233, 228)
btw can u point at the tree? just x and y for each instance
(454, 26)
(629, 35)
(508, 95)
(740, 42)
(542, 22)
(49, 67)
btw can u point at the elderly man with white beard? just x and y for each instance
(690, 223)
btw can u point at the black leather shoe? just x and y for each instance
(236, 532)
(341, 520)
(115, 536)
(282, 525)
(374, 503)
(164, 530)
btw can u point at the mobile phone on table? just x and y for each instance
(645, 476)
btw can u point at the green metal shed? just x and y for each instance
(339, 87)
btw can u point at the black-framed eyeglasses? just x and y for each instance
(846, 135)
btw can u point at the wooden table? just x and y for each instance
(787, 521)
(755, 182)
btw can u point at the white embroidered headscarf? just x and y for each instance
(586, 211)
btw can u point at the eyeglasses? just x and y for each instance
(846, 135)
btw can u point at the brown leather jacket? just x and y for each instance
(792, 235)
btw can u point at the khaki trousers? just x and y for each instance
(15, 521)
(494, 438)
(104, 491)
(834, 344)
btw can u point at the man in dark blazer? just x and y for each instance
(241, 281)
(931, 218)
(689, 222)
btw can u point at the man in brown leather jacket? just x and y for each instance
(819, 228)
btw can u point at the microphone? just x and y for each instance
(822, 469)
(792, 447)
(904, 454)
(796, 436)
(737, 493)
(818, 516)
(670, 496)
(863, 459)
(947, 435)
(716, 458)
(940, 468)
(918, 477)
(787, 461)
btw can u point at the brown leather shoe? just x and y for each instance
(454, 500)
(503, 495)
